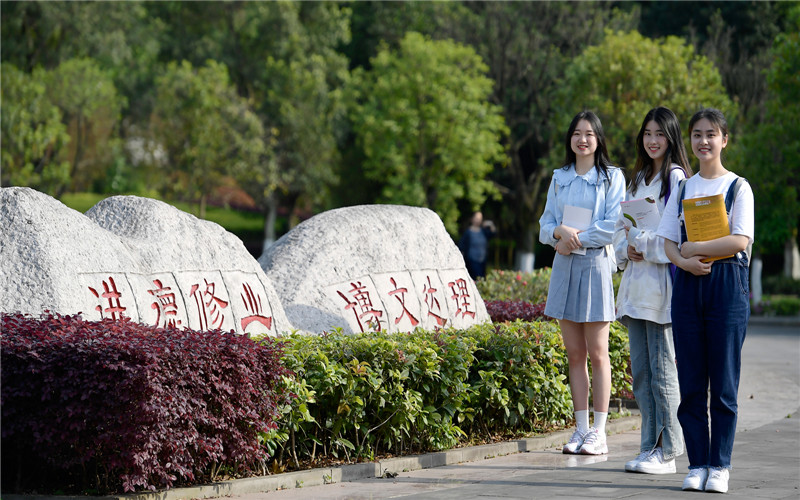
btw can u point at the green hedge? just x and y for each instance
(777, 305)
(363, 395)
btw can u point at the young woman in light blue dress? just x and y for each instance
(581, 294)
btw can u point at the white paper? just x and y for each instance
(577, 218)
(641, 214)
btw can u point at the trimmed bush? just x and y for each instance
(781, 285)
(502, 311)
(777, 305)
(518, 382)
(114, 405)
(370, 394)
(515, 286)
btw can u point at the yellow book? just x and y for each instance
(706, 219)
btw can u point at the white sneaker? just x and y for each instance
(655, 464)
(695, 480)
(630, 466)
(717, 480)
(574, 444)
(594, 443)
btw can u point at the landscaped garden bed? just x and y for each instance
(102, 407)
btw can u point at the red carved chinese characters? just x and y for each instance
(431, 301)
(461, 297)
(165, 305)
(252, 302)
(112, 295)
(361, 305)
(210, 307)
(400, 295)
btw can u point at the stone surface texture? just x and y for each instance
(134, 257)
(386, 267)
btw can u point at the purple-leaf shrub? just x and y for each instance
(115, 405)
(506, 310)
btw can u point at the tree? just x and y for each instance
(300, 97)
(770, 156)
(90, 107)
(119, 36)
(424, 123)
(208, 131)
(735, 36)
(282, 58)
(628, 74)
(33, 135)
(527, 45)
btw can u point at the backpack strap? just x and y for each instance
(669, 184)
(730, 198)
(681, 194)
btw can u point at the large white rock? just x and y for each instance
(134, 257)
(386, 267)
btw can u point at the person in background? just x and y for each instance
(474, 244)
(581, 292)
(646, 290)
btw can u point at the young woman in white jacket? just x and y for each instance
(643, 300)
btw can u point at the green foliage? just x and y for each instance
(627, 75)
(527, 46)
(619, 353)
(376, 392)
(366, 394)
(778, 305)
(770, 158)
(296, 77)
(519, 380)
(780, 284)
(207, 130)
(33, 135)
(511, 285)
(427, 130)
(91, 108)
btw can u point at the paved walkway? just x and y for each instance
(766, 460)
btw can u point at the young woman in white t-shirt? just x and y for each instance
(645, 293)
(710, 307)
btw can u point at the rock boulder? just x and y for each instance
(385, 267)
(133, 257)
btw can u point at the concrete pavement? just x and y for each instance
(766, 459)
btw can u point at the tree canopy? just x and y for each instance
(627, 75)
(207, 129)
(86, 84)
(426, 127)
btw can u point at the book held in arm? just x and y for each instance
(577, 218)
(706, 219)
(641, 214)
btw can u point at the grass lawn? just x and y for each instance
(246, 225)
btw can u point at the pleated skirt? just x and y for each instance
(580, 287)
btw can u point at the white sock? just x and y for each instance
(600, 418)
(582, 419)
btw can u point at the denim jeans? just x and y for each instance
(709, 322)
(655, 385)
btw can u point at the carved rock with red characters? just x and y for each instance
(130, 257)
(375, 267)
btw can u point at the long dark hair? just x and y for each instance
(601, 161)
(674, 155)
